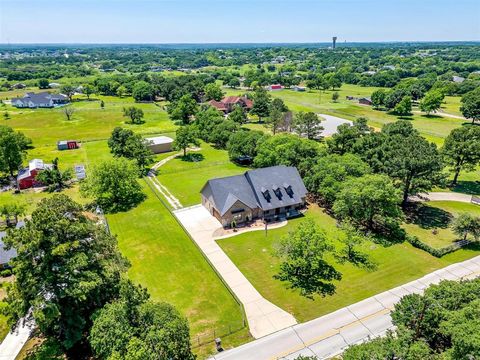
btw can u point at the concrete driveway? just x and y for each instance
(329, 335)
(331, 123)
(442, 196)
(263, 317)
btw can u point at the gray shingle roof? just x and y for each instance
(40, 98)
(267, 188)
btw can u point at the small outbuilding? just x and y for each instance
(68, 145)
(160, 144)
(275, 87)
(365, 101)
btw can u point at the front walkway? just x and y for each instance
(263, 317)
(329, 335)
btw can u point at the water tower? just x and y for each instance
(334, 42)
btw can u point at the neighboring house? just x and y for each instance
(370, 72)
(388, 67)
(7, 255)
(27, 177)
(54, 85)
(275, 87)
(39, 100)
(458, 79)
(298, 88)
(68, 144)
(159, 144)
(227, 104)
(365, 101)
(270, 193)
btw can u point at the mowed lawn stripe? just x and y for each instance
(397, 264)
(166, 261)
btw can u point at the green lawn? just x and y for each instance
(397, 264)
(434, 128)
(167, 262)
(89, 121)
(431, 222)
(4, 329)
(185, 179)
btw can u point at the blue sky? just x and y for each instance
(210, 21)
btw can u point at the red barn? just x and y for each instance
(275, 87)
(68, 145)
(27, 177)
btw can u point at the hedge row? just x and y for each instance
(416, 242)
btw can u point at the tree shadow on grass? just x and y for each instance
(431, 116)
(428, 217)
(192, 157)
(467, 187)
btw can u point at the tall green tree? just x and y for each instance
(54, 178)
(67, 266)
(134, 327)
(213, 92)
(261, 103)
(285, 149)
(124, 142)
(88, 90)
(327, 176)
(470, 105)
(135, 114)
(378, 98)
(113, 184)
(404, 107)
(13, 146)
(238, 115)
(466, 224)
(143, 91)
(244, 144)
(182, 110)
(400, 152)
(68, 90)
(432, 101)
(304, 265)
(344, 139)
(370, 201)
(461, 150)
(186, 136)
(308, 125)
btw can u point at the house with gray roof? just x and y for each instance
(271, 193)
(39, 100)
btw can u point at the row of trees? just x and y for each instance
(70, 277)
(443, 323)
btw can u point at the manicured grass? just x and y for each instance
(451, 105)
(89, 122)
(397, 264)
(167, 262)
(185, 179)
(432, 222)
(434, 128)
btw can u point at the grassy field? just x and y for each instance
(397, 264)
(185, 179)
(167, 262)
(432, 222)
(89, 121)
(434, 128)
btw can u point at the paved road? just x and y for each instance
(331, 123)
(15, 340)
(442, 196)
(329, 335)
(263, 317)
